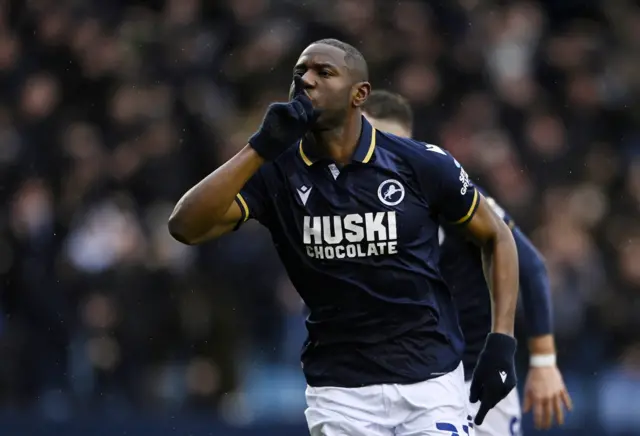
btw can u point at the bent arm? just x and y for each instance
(500, 261)
(208, 210)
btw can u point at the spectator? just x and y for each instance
(111, 110)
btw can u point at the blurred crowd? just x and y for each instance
(111, 109)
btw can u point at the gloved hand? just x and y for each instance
(284, 123)
(495, 373)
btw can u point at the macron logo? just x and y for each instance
(304, 192)
(503, 376)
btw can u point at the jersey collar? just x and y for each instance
(364, 150)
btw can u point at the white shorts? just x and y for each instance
(433, 407)
(503, 420)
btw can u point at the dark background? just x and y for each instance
(111, 109)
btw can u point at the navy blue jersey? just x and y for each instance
(360, 245)
(461, 267)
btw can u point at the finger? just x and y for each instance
(566, 399)
(537, 413)
(548, 413)
(306, 104)
(300, 110)
(482, 413)
(298, 85)
(474, 391)
(526, 405)
(557, 407)
(297, 93)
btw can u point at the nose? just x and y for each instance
(307, 80)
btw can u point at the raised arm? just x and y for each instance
(209, 210)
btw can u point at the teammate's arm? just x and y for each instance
(209, 210)
(545, 392)
(536, 295)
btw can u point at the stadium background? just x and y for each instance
(111, 109)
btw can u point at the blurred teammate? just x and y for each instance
(353, 215)
(461, 266)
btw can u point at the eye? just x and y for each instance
(324, 73)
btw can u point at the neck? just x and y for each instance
(340, 143)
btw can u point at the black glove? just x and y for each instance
(284, 123)
(495, 373)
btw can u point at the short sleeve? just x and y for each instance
(253, 199)
(447, 185)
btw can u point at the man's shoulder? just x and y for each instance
(415, 153)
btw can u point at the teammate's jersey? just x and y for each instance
(360, 245)
(461, 267)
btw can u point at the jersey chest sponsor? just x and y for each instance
(350, 236)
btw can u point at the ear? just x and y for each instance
(360, 93)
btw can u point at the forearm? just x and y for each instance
(542, 345)
(500, 260)
(206, 204)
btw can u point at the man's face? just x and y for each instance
(328, 83)
(389, 125)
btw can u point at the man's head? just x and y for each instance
(389, 112)
(336, 78)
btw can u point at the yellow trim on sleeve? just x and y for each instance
(244, 205)
(372, 146)
(471, 209)
(304, 157)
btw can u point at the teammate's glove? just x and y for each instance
(284, 123)
(495, 374)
